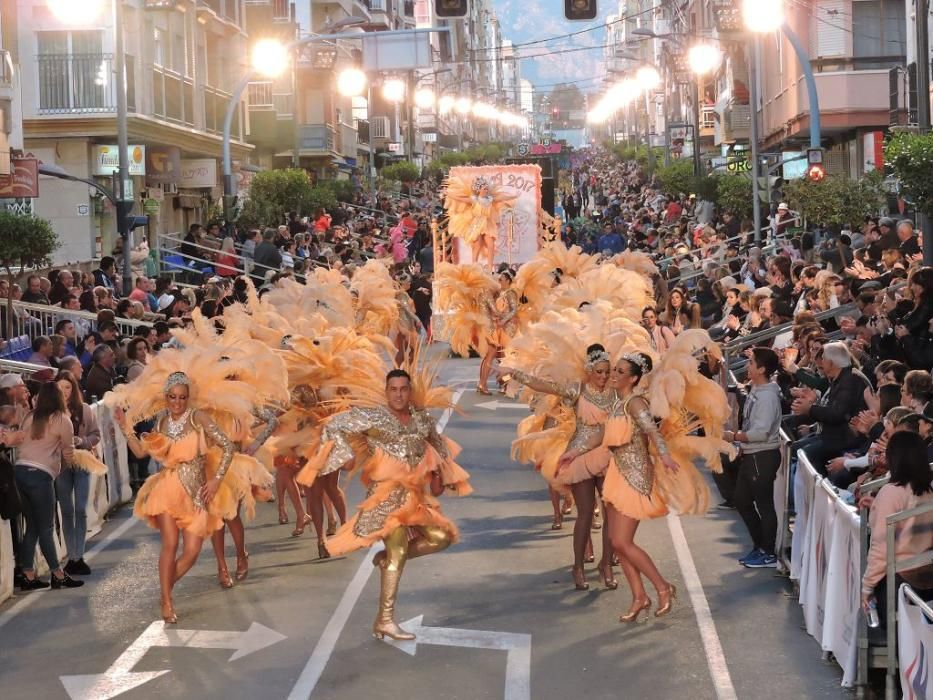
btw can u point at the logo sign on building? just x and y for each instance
(523, 149)
(107, 160)
(395, 148)
(163, 165)
(198, 172)
(23, 181)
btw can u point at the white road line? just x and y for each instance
(18, 607)
(324, 648)
(715, 657)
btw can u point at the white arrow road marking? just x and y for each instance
(120, 677)
(495, 405)
(311, 673)
(518, 646)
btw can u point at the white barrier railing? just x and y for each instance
(107, 492)
(825, 561)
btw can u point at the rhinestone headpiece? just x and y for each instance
(479, 183)
(176, 379)
(594, 358)
(637, 360)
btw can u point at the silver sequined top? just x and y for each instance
(381, 430)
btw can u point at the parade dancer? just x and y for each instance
(652, 469)
(407, 464)
(474, 208)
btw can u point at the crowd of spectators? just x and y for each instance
(846, 366)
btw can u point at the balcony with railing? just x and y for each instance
(259, 95)
(280, 10)
(707, 120)
(172, 96)
(316, 139)
(81, 84)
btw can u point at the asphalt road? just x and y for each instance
(499, 615)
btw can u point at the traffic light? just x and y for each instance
(815, 170)
(126, 221)
(583, 10)
(451, 8)
(135, 221)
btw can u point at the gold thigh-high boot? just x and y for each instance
(391, 573)
(431, 539)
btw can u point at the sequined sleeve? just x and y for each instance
(511, 300)
(219, 438)
(436, 441)
(488, 306)
(571, 392)
(270, 417)
(338, 430)
(646, 422)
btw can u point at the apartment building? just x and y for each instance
(183, 59)
(11, 131)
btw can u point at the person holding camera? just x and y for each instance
(759, 442)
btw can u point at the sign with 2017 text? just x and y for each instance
(519, 226)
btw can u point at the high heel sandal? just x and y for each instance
(671, 593)
(242, 571)
(283, 517)
(579, 579)
(568, 507)
(223, 577)
(608, 578)
(168, 614)
(322, 552)
(635, 610)
(483, 390)
(557, 523)
(331, 528)
(300, 527)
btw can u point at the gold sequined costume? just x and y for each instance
(396, 462)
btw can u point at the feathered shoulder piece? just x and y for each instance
(627, 292)
(343, 366)
(636, 262)
(225, 380)
(374, 291)
(459, 292)
(572, 262)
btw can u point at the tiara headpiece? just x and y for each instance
(594, 358)
(637, 359)
(176, 379)
(479, 183)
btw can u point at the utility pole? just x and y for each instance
(923, 108)
(124, 205)
(753, 98)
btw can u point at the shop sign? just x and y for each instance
(23, 181)
(198, 173)
(107, 160)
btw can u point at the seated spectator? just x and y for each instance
(105, 276)
(34, 293)
(137, 354)
(61, 286)
(267, 257)
(72, 365)
(66, 329)
(100, 377)
(842, 401)
(909, 487)
(142, 293)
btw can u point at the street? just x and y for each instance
(498, 614)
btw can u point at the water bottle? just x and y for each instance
(872, 613)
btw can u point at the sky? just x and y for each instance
(524, 21)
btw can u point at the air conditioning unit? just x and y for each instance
(380, 128)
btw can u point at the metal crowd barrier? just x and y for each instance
(42, 319)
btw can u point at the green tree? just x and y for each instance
(911, 158)
(342, 189)
(734, 193)
(403, 171)
(274, 193)
(25, 242)
(677, 178)
(836, 200)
